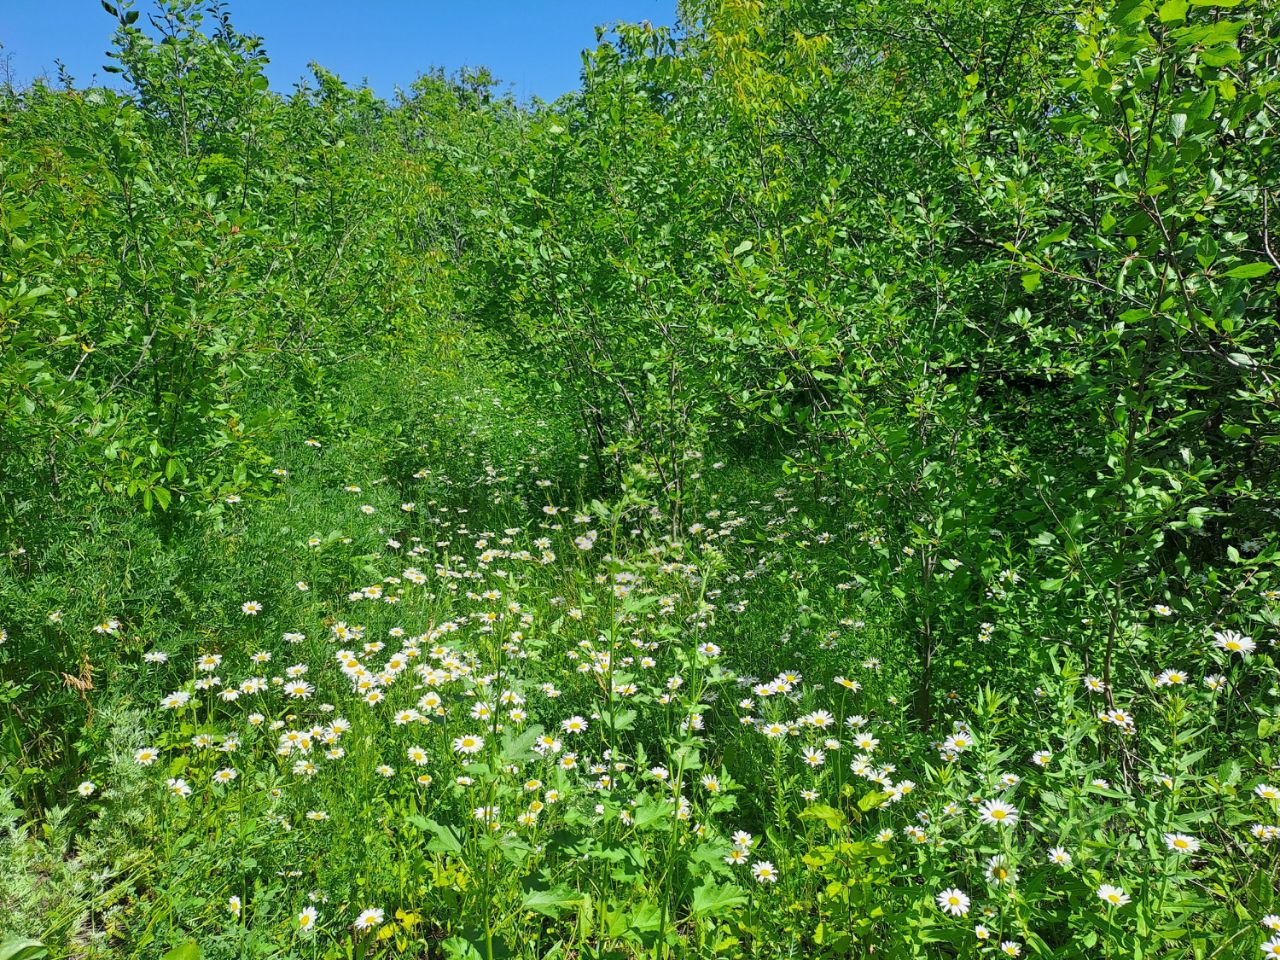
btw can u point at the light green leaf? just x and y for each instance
(553, 902)
(21, 948)
(1248, 271)
(715, 899)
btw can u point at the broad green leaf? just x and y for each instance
(715, 899)
(1249, 271)
(21, 948)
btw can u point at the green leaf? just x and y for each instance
(870, 800)
(518, 748)
(447, 840)
(553, 902)
(21, 948)
(184, 951)
(742, 248)
(1248, 271)
(460, 948)
(832, 817)
(715, 899)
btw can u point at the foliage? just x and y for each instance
(919, 355)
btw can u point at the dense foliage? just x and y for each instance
(811, 492)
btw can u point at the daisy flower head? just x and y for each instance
(251, 608)
(1000, 871)
(954, 902)
(368, 918)
(146, 756)
(1181, 843)
(86, 789)
(1232, 642)
(998, 813)
(764, 872)
(1113, 895)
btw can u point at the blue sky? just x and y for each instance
(533, 46)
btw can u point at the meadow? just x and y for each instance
(810, 493)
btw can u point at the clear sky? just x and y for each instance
(533, 46)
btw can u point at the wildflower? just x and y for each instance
(1181, 843)
(1060, 857)
(954, 902)
(225, 775)
(1115, 896)
(736, 857)
(1233, 642)
(574, 725)
(764, 872)
(998, 813)
(981, 931)
(86, 789)
(251, 608)
(368, 918)
(1267, 792)
(1271, 948)
(468, 744)
(1011, 948)
(1000, 871)
(146, 756)
(234, 905)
